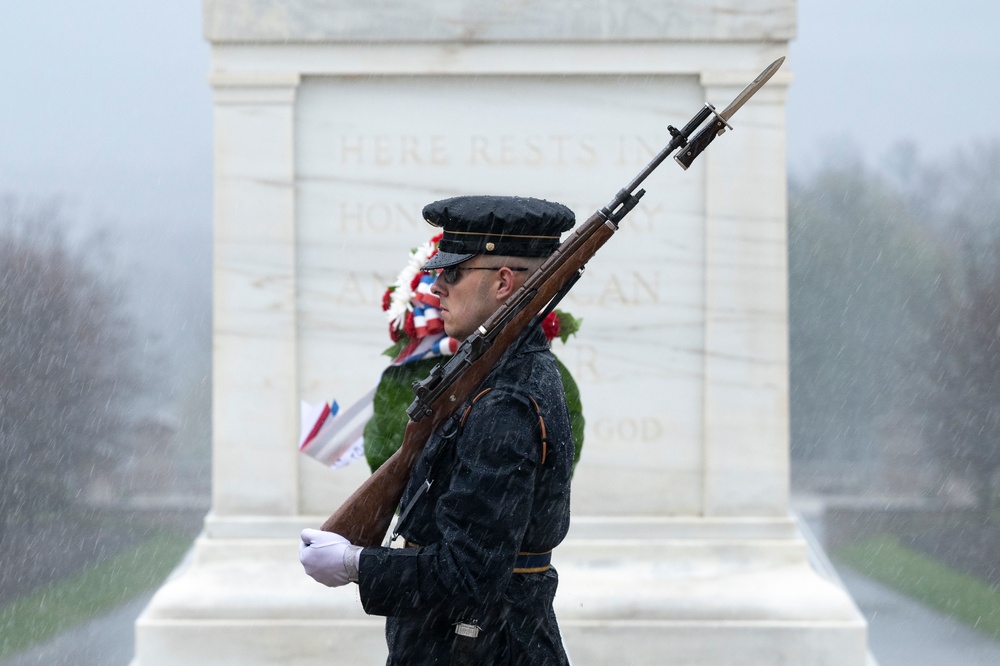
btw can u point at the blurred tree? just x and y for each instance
(961, 402)
(960, 374)
(67, 376)
(859, 260)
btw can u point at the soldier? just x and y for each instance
(488, 499)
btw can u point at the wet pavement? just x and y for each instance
(905, 632)
(108, 640)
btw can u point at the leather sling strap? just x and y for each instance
(538, 412)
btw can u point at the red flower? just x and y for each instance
(394, 334)
(409, 328)
(415, 281)
(550, 326)
(386, 299)
(434, 242)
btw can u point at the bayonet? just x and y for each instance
(720, 123)
(753, 87)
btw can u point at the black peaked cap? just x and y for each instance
(496, 225)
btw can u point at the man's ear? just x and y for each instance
(506, 283)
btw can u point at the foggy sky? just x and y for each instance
(871, 73)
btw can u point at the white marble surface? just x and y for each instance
(746, 331)
(484, 20)
(254, 382)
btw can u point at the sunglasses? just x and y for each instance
(451, 274)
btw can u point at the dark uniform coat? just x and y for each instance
(491, 497)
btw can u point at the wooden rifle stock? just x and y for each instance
(367, 513)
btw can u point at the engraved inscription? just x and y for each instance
(532, 151)
(360, 289)
(391, 217)
(637, 150)
(503, 150)
(638, 288)
(386, 150)
(582, 360)
(647, 218)
(380, 217)
(628, 429)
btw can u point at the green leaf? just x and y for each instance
(568, 325)
(394, 351)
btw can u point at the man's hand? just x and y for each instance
(329, 558)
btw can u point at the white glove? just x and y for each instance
(329, 558)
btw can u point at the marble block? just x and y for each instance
(464, 21)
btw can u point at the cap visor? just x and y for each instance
(445, 259)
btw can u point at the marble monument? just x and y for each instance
(334, 124)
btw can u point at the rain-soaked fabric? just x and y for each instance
(490, 498)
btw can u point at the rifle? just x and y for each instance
(365, 516)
